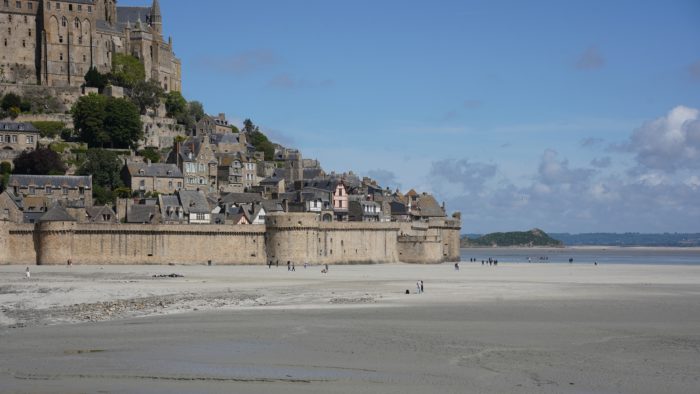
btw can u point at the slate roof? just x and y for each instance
(158, 170)
(398, 208)
(194, 201)
(22, 127)
(56, 214)
(132, 14)
(241, 198)
(224, 138)
(428, 207)
(142, 213)
(95, 213)
(55, 181)
(310, 173)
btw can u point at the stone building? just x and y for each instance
(237, 173)
(73, 190)
(16, 138)
(56, 42)
(197, 161)
(153, 177)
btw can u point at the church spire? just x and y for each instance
(156, 18)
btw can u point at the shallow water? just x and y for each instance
(670, 256)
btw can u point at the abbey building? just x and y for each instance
(56, 42)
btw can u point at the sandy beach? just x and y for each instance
(513, 328)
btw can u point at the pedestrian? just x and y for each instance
(326, 267)
(595, 263)
(456, 266)
(418, 287)
(482, 262)
(278, 263)
(28, 274)
(294, 268)
(305, 264)
(289, 266)
(421, 287)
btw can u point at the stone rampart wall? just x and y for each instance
(297, 238)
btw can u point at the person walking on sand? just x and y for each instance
(305, 264)
(421, 287)
(418, 287)
(27, 274)
(294, 268)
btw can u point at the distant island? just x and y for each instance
(630, 239)
(532, 238)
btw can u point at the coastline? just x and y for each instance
(590, 247)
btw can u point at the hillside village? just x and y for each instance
(112, 140)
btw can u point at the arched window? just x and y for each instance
(77, 23)
(64, 22)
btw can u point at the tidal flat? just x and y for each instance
(532, 328)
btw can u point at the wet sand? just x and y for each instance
(511, 328)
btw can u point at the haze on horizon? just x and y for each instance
(579, 116)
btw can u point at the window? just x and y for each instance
(30, 32)
(6, 42)
(25, 19)
(64, 21)
(60, 39)
(65, 191)
(9, 31)
(170, 184)
(76, 23)
(60, 56)
(32, 190)
(48, 190)
(30, 5)
(80, 40)
(6, 3)
(18, 4)
(30, 139)
(81, 190)
(7, 138)
(142, 183)
(9, 18)
(48, 5)
(80, 7)
(24, 43)
(14, 139)
(89, 8)
(200, 216)
(70, 7)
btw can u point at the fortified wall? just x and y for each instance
(294, 237)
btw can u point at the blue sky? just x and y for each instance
(565, 115)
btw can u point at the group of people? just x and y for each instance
(419, 287)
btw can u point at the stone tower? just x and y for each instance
(156, 18)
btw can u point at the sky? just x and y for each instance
(569, 116)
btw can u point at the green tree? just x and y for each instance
(127, 70)
(95, 79)
(49, 129)
(234, 129)
(262, 144)
(175, 104)
(11, 100)
(88, 119)
(105, 168)
(147, 94)
(41, 161)
(150, 154)
(122, 123)
(249, 126)
(196, 109)
(5, 170)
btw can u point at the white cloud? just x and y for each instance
(668, 143)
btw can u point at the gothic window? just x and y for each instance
(77, 23)
(64, 21)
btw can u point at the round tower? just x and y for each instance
(292, 237)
